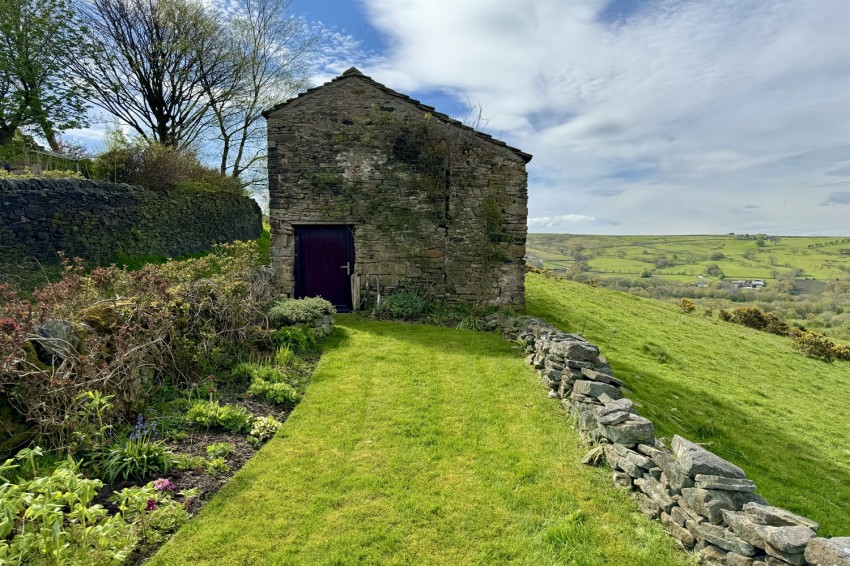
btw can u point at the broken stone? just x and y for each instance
(678, 531)
(635, 430)
(595, 389)
(621, 479)
(679, 517)
(675, 476)
(726, 484)
(632, 456)
(655, 472)
(726, 539)
(594, 375)
(710, 555)
(694, 459)
(828, 551)
(649, 507)
(701, 501)
(595, 457)
(743, 527)
(776, 517)
(656, 492)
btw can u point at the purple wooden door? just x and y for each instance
(324, 260)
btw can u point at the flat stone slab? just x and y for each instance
(725, 484)
(726, 539)
(791, 540)
(694, 459)
(656, 492)
(594, 375)
(612, 418)
(595, 389)
(634, 430)
(776, 517)
(575, 350)
(828, 551)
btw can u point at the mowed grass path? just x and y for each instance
(421, 445)
(747, 395)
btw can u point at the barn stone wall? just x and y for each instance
(97, 221)
(432, 205)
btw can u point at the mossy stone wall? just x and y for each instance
(98, 221)
(432, 204)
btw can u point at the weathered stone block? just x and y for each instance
(828, 551)
(594, 375)
(595, 389)
(725, 539)
(694, 459)
(724, 484)
(776, 517)
(635, 430)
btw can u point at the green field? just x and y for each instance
(748, 395)
(627, 256)
(422, 445)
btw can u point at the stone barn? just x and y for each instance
(371, 191)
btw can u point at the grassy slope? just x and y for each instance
(623, 256)
(783, 418)
(421, 445)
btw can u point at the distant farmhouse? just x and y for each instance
(371, 190)
(754, 284)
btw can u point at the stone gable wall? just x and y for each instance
(97, 221)
(431, 205)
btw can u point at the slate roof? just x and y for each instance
(353, 72)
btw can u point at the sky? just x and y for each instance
(643, 116)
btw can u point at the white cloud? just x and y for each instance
(560, 220)
(668, 119)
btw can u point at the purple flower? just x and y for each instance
(162, 484)
(151, 506)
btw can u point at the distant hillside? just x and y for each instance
(746, 394)
(683, 258)
(806, 280)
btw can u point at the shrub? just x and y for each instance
(152, 165)
(298, 339)
(687, 306)
(279, 393)
(288, 312)
(136, 459)
(814, 345)
(405, 305)
(184, 319)
(716, 256)
(263, 429)
(47, 174)
(217, 466)
(212, 415)
(219, 449)
(50, 520)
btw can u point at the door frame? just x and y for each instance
(299, 267)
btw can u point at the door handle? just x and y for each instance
(346, 267)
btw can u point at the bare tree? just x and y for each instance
(154, 64)
(272, 51)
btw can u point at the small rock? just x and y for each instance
(735, 559)
(679, 517)
(595, 457)
(678, 531)
(743, 527)
(712, 556)
(828, 551)
(694, 459)
(612, 418)
(655, 472)
(621, 479)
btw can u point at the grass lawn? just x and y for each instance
(748, 395)
(421, 445)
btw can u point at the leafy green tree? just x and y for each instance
(38, 39)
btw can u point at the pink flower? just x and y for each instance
(163, 484)
(151, 506)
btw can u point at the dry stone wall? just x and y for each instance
(704, 501)
(97, 221)
(431, 204)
